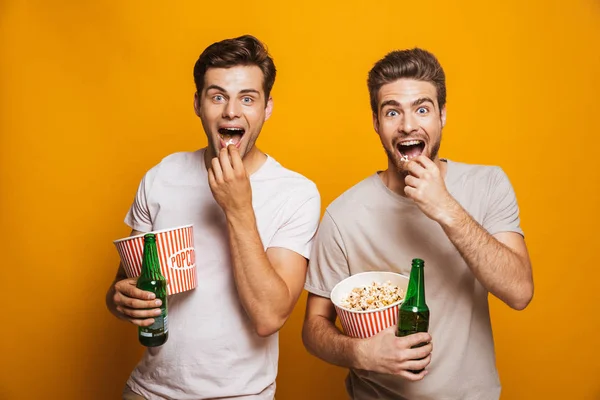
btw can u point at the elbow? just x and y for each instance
(523, 298)
(267, 328)
(306, 339)
(310, 338)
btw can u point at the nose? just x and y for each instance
(408, 124)
(231, 110)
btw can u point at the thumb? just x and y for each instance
(390, 330)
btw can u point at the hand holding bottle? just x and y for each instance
(135, 305)
(388, 354)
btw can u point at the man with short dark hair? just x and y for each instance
(462, 219)
(254, 222)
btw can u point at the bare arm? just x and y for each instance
(323, 339)
(500, 262)
(125, 301)
(383, 353)
(268, 283)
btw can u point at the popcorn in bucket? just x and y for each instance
(368, 302)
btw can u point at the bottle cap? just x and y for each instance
(417, 262)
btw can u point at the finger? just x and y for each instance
(211, 178)
(410, 376)
(415, 168)
(130, 302)
(127, 287)
(236, 159)
(411, 181)
(417, 338)
(426, 162)
(139, 314)
(410, 192)
(418, 353)
(216, 167)
(141, 322)
(225, 162)
(416, 365)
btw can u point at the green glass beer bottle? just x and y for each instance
(413, 314)
(152, 280)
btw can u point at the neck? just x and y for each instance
(394, 179)
(252, 160)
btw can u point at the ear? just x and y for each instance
(197, 103)
(443, 116)
(376, 123)
(269, 108)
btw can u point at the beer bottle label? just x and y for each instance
(158, 328)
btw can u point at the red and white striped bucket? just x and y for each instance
(364, 324)
(176, 255)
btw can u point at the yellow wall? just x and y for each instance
(92, 94)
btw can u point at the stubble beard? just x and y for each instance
(399, 165)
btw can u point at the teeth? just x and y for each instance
(410, 143)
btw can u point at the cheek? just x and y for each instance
(255, 117)
(211, 110)
(386, 130)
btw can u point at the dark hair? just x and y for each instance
(416, 64)
(243, 50)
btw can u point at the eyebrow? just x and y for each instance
(243, 91)
(389, 103)
(250, 91)
(219, 88)
(415, 103)
(422, 100)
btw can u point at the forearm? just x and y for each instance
(323, 340)
(501, 270)
(263, 293)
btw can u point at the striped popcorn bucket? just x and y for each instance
(364, 324)
(175, 252)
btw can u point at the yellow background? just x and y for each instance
(92, 94)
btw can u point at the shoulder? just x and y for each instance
(353, 197)
(475, 174)
(176, 165)
(287, 180)
(181, 160)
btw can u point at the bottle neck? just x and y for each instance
(150, 263)
(415, 293)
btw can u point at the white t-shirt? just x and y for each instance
(212, 350)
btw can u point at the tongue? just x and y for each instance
(231, 138)
(411, 151)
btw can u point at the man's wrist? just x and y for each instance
(359, 354)
(451, 215)
(241, 217)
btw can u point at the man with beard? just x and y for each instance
(463, 220)
(254, 222)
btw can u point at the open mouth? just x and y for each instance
(410, 149)
(231, 135)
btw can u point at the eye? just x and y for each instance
(391, 113)
(422, 110)
(247, 100)
(218, 98)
